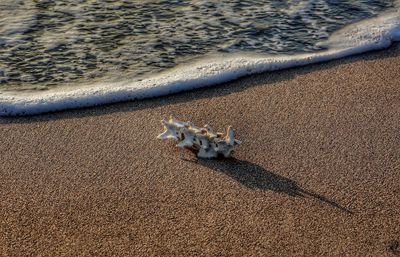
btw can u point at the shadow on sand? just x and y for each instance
(255, 177)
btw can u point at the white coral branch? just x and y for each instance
(204, 141)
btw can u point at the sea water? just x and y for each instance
(64, 54)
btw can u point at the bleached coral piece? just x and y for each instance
(204, 141)
(211, 132)
(170, 131)
(230, 137)
(222, 147)
(188, 138)
(208, 153)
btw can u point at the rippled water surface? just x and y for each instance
(45, 43)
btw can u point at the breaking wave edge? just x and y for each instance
(372, 34)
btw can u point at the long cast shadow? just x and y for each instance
(254, 177)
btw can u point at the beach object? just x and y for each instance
(203, 141)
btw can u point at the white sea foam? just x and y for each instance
(367, 35)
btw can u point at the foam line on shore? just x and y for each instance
(372, 34)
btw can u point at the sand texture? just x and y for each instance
(318, 173)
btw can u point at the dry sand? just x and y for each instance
(318, 173)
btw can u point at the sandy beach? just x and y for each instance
(318, 173)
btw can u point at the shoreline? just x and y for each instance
(317, 173)
(371, 34)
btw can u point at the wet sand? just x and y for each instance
(318, 173)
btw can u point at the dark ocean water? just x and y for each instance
(46, 43)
